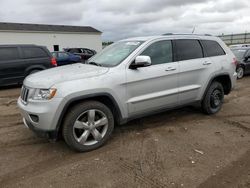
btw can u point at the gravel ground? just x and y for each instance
(180, 148)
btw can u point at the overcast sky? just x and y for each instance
(119, 19)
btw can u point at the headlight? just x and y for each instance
(44, 94)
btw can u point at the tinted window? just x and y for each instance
(188, 49)
(9, 53)
(159, 52)
(62, 55)
(212, 48)
(75, 50)
(88, 52)
(33, 52)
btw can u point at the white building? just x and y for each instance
(54, 37)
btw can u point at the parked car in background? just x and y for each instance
(65, 58)
(18, 61)
(239, 45)
(129, 79)
(85, 53)
(243, 57)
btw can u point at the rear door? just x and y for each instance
(63, 58)
(9, 65)
(34, 57)
(195, 69)
(156, 86)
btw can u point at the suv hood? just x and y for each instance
(47, 78)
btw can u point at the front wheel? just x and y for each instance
(213, 99)
(240, 72)
(88, 126)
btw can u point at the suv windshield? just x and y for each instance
(239, 53)
(115, 53)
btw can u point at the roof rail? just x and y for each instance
(187, 34)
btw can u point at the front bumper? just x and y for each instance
(52, 135)
(47, 116)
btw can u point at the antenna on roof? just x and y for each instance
(193, 30)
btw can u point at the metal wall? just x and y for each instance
(49, 39)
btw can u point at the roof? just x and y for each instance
(46, 28)
(172, 36)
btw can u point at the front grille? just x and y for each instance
(24, 94)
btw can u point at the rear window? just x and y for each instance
(9, 53)
(74, 50)
(188, 49)
(33, 52)
(239, 53)
(212, 48)
(54, 55)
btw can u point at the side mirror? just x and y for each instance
(141, 61)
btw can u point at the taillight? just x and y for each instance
(235, 62)
(53, 62)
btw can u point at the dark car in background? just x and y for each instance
(65, 58)
(243, 57)
(85, 53)
(18, 61)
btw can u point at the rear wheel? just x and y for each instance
(213, 99)
(240, 72)
(88, 126)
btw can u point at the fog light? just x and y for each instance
(34, 118)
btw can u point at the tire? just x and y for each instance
(240, 72)
(213, 99)
(88, 126)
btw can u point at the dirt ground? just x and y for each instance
(180, 148)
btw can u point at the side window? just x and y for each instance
(74, 51)
(212, 48)
(9, 53)
(188, 49)
(54, 55)
(33, 52)
(89, 52)
(159, 52)
(62, 55)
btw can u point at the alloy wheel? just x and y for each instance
(90, 127)
(240, 72)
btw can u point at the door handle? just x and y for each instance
(170, 69)
(207, 63)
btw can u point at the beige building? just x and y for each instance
(54, 37)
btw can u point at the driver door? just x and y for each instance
(154, 87)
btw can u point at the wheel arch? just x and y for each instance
(35, 67)
(104, 98)
(224, 79)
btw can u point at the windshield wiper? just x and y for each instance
(94, 63)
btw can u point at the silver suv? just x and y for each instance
(129, 79)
